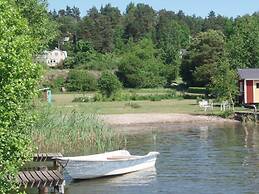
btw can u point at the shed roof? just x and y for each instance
(248, 73)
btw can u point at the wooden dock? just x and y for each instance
(247, 116)
(42, 178)
(46, 157)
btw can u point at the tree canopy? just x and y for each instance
(180, 44)
(200, 61)
(244, 43)
(141, 66)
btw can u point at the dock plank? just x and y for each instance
(23, 178)
(28, 176)
(58, 174)
(40, 177)
(46, 156)
(46, 174)
(57, 180)
(35, 176)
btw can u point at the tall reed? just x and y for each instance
(72, 133)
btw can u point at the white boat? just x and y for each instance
(106, 164)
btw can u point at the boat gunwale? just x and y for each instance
(130, 158)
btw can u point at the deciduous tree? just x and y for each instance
(244, 43)
(172, 36)
(141, 66)
(224, 82)
(199, 64)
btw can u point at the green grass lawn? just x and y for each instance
(64, 102)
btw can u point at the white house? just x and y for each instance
(53, 58)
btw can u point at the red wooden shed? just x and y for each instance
(249, 86)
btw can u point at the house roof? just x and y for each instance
(248, 73)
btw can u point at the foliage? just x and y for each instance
(139, 21)
(244, 43)
(199, 64)
(141, 67)
(72, 132)
(101, 62)
(56, 84)
(197, 90)
(100, 27)
(221, 23)
(129, 96)
(81, 80)
(171, 36)
(42, 28)
(18, 80)
(226, 114)
(108, 84)
(86, 57)
(80, 53)
(224, 85)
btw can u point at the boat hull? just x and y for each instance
(79, 169)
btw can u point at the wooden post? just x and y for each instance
(43, 189)
(56, 165)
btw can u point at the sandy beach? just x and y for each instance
(149, 118)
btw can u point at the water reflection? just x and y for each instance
(109, 184)
(203, 159)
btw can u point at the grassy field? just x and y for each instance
(63, 102)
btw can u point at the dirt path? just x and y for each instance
(147, 118)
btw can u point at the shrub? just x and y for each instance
(81, 80)
(18, 82)
(55, 84)
(82, 99)
(197, 90)
(108, 84)
(226, 114)
(141, 67)
(193, 97)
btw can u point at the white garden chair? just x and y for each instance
(205, 105)
(225, 105)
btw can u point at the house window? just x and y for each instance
(257, 85)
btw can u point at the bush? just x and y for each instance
(119, 96)
(197, 90)
(141, 67)
(55, 84)
(18, 83)
(191, 96)
(108, 84)
(82, 99)
(81, 80)
(226, 114)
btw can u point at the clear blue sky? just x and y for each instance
(231, 8)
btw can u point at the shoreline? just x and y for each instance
(156, 118)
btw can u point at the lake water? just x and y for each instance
(200, 158)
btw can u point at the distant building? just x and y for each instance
(53, 58)
(249, 86)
